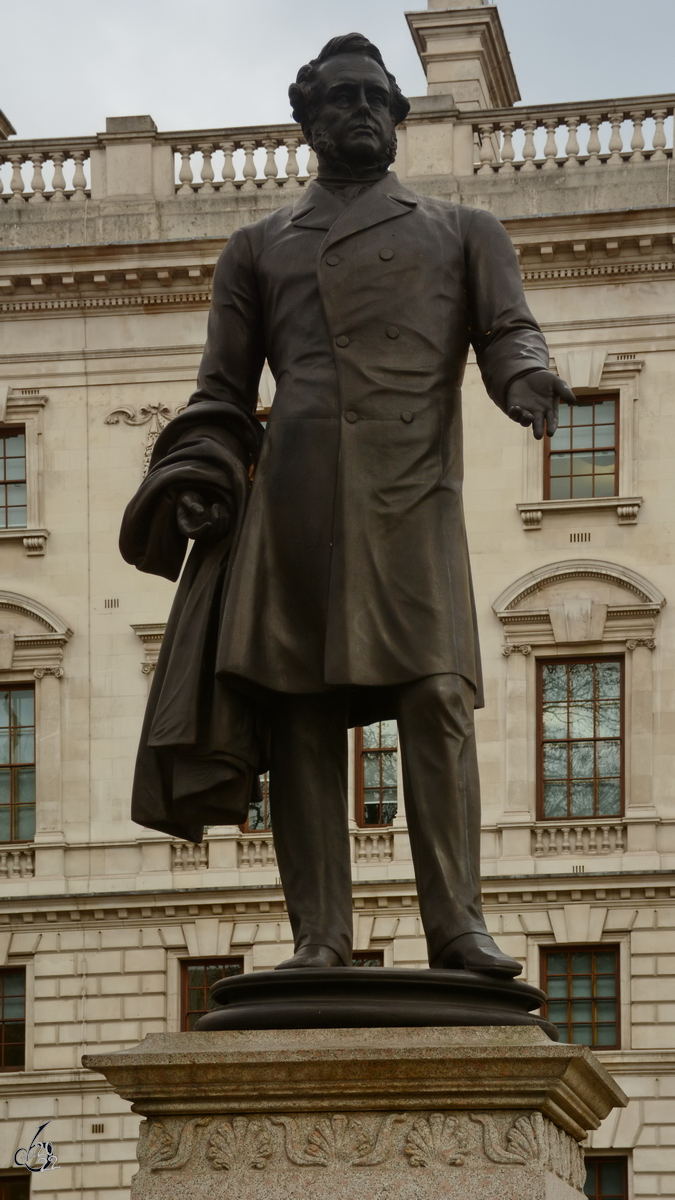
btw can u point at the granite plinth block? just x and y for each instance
(361, 1114)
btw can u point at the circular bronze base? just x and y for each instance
(358, 997)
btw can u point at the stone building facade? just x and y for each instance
(108, 247)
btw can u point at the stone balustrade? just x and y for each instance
(205, 162)
(231, 160)
(607, 134)
(374, 847)
(256, 850)
(185, 856)
(45, 169)
(17, 862)
(578, 838)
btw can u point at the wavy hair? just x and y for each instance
(303, 93)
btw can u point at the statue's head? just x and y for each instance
(349, 105)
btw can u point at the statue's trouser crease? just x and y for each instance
(308, 792)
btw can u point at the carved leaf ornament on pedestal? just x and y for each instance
(434, 1142)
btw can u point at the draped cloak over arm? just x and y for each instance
(202, 744)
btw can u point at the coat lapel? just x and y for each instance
(317, 208)
(320, 209)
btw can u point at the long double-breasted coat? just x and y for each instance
(351, 565)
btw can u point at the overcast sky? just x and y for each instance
(68, 64)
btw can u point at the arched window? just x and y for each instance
(376, 758)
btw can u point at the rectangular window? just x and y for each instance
(582, 985)
(376, 757)
(580, 738)
(606, 1179)
(12, 1019)
(12, 478)
(582, 457)
(259, 817)
(368, 958)
(197, 977)
(17, 763)
(15, 1186)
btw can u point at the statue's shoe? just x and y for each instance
(477, 952)
(312, 956)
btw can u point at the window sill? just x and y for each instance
(34, 540)
(625, 507)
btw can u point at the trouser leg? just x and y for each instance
(442, 800)
(308, 800)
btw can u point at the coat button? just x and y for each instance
(342, 341)
(392, 331)
(407, 417)
(333, 260)
(386, 254)
(351, 417)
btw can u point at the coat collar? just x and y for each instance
(320, 209)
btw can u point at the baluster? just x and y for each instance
(16, 185)
(637, 142)
(229, 174)
(529, 148)
(619, 838)
(185, 173)
(659, 139)
(3, 863)
(361, 848)
(615, 142)
(79, 177)
(257, 854)
(388, 847)
(605, 847)
(579, 847)
(507, 153)
(30, 863)
(486, 149)
(592, 839)
(15, 863)
(249, 168)
(312, 164)
(207, 173)
(189, 852)
(270, 170)
(565, 840)
(292, 168)
(572, 147)
(203, 857)
(593, 148)
(37, 182)
(551, 148)
(59, 180)
(538, 843)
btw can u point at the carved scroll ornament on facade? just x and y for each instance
(156, 415)
(334, 1142)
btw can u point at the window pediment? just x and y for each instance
(578, 601)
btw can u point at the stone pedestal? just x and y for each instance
(361, 1114)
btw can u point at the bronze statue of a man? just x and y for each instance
(329, 583)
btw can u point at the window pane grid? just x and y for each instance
(12, 479)
(377, 767)
(12, 1020)
(15, 1187)
(259, 815)
(17, 764)
(583, 994)
(582, 457)
(606, 1179)
(368, 958)
(197, 978)
(581, 742)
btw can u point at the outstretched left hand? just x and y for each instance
(533, 400)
